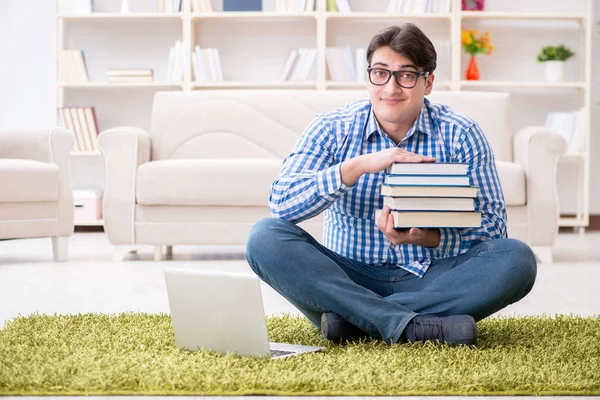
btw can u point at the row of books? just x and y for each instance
(82, 121)
(568, 124)
(169, 6)
(130, 75)
(175, 66)
(430, 195)
(206, 64)
(341, 66)
(419, 6)
(298, 64)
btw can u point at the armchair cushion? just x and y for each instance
(512, 178)
(28, 181)
(220, 182)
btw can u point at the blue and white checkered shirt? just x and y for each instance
(309, 182)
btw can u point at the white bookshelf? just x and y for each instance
(253, 47)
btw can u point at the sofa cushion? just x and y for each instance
(28, 180)
(512, 179)
(225, 182)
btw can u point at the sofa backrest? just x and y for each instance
(267, 123)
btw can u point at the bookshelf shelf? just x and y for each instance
(256, 85)
(260, 42)
(85, 153)
(522, 84)
(119, 16)
(526, 16)
(107, 85)
(386, 16)
(255, 15)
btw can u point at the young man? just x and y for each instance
(368, 278)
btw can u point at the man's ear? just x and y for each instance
(429, 84)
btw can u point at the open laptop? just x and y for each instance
(222, 311)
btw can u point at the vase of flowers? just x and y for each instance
(553, 58)
(473, 45)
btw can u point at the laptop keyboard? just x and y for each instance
(277, 353)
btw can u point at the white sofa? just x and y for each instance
(36, 199)
(203, 172)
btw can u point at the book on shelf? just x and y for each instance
(425, 168)
(72, 67)
(343, 6)
(436, 219)
(82, 121)
(242, 5)
(429, 203)
(419, 6)
(169, 6)
(175, 66)
(206, 64)
(76, 6)
(288, 6)
(427, 191)
(340, 65)
(298, 64)
(438, 180)
(569, 126)
(332, 6)
(202, 6)
(130, 75)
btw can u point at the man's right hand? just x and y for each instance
(354, 168)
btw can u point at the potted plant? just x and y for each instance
(553, 58)
(473, 45)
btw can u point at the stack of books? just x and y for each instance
(298, 64)
(129, 75)
(82, 121)
(430, 195)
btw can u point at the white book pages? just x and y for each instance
(89, 146)
(200, 71)
(169, 76)
(288, 64)
(177, 62)
(268, 5)
(310, 60)
(343, 6)
(91, 122)
(310, 5)
(218, 67)
(300, 5)
(361, 64)
(71, 125)
(211, 65)
(207, 6)
(77, 129)
(195, 68)
(299, 65)
(349, 62)
(206, 62)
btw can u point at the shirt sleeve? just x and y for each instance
(309, 180)
(474, 149)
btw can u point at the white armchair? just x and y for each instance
(203, 172)
(36, 198)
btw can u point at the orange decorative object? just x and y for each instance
(472, 70)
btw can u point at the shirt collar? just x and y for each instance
(423, 123)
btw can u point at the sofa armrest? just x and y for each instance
(537, 150)
(124, 150)
(49, 146)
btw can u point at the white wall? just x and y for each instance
(27, 78)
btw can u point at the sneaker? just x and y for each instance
(455, 329)
(337, 329)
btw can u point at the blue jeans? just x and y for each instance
(381, 300)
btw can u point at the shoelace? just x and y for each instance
(430, 329)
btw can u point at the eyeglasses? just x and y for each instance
(405, 79)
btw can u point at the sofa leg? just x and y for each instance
(122, 253)
(158, 253)
(543, 254)
(60, 248)
(169, 252)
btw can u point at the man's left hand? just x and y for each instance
(419, 236)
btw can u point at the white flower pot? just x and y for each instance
(554, 70)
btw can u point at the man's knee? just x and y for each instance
(520, 261)
(264, 241)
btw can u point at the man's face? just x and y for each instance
(393, 104)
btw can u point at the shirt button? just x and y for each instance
(392, 246)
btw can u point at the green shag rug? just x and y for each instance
(135, 354)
